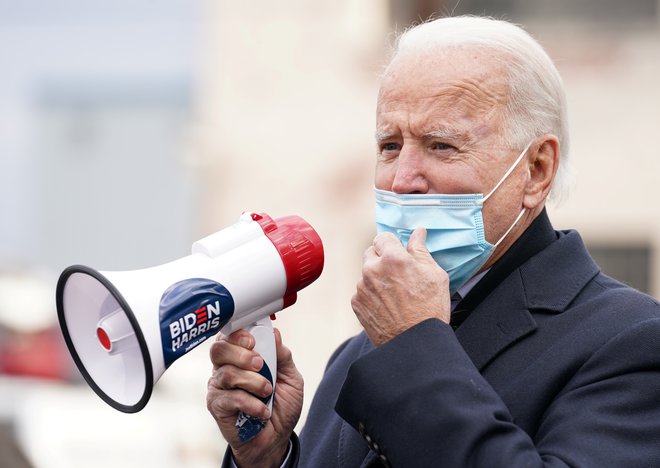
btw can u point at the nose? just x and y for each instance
(409, 176)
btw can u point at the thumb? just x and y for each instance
(283, 353)
(278, 343)
(417, 243)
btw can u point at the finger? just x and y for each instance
(231, 378)
(278, 338)
(384, 241)
(369, 254)
(230, 402)
(241, 338)
(417, 243)
(225, 353)
(284, 355)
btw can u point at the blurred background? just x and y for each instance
(130, 129)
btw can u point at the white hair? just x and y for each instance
(537, 101)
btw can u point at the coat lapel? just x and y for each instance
(505, 315)
(499, 320)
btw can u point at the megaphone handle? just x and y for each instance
(262, 330)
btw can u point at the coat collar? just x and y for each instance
(543, 270)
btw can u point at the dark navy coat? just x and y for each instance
(548, 362)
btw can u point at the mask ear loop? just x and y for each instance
(504, 177)
(510, 227)
(508, 172)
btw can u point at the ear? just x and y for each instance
(542, 161)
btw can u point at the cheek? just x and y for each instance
(454, 178)
(384, 176)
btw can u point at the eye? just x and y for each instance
(388, 150)
(440, 146)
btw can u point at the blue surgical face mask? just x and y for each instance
(454, 226)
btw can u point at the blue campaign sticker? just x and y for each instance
(191, 311)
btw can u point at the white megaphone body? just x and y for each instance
(125, 328)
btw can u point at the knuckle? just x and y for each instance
(209, 405)
(218, 351)
(360, 289)
(244, 358)
(211, 400)
(366, 283)
(371, 279)
(211, 384)
(223, 353)
(222, 404)
(393, 258)
(217, 402)
(355, 302)
(385, 237)
(225, 377)
(238, 337)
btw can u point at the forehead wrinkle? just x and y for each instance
(480, 94)
(470, 98)
(456, 108)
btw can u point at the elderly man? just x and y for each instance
(489, 338)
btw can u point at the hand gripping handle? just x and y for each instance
(262, 330)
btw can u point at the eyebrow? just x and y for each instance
(444, 133)
(448, 133)
(382, 135)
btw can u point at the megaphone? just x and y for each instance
(125, 328)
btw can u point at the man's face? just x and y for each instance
(439, 129)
